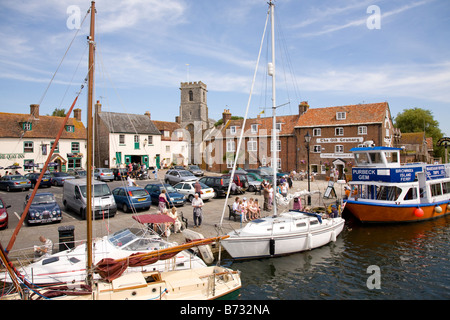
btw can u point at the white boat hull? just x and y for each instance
(245, 245)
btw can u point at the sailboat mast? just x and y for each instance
(271, 70)
(89, 264)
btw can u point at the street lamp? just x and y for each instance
(307, 141)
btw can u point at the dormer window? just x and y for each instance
(278, 127)
(233, 130)
(341, 115)
(26, 126)
(254, 128)
(70, 128)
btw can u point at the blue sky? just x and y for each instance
(146, 48)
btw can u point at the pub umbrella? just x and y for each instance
(52, 164)
(13, 167)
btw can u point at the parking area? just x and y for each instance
(212, 213)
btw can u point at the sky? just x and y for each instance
(329, 53)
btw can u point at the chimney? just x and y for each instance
(177, 119)
(34, 110)
(147, 113)
(77, 114)
(226, 115)
(98, 107)
(303, 107)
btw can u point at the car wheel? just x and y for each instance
(8, 188)
(125, 207)
(190, 198)
(251, 188)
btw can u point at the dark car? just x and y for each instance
(131, 197)
(43, 209)
(45, 182)
(219, 184)
(174, 197)
(120, 173)
(15, 182)
(80, 174)
(4, 215)
(58, 178)
(239, 179)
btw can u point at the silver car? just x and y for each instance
(103, 174)
(175, 176)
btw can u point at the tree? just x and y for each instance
(59, 112)
(420, 120)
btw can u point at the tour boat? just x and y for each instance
(288, 232)
(385, 191)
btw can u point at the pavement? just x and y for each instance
(213, 211)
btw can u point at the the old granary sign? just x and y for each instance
(340, 140)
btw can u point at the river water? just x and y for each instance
(403, 261)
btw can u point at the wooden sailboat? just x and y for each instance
(284, 233)
(196, 284)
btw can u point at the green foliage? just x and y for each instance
(420, 120)
(59, 112)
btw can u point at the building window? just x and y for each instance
(278, 127)
(317, 132)
(339, 148)
(230, 146)
(70, 128)
(73, 163)
(278, 145)
(150, 140)
(341, 115)
(263, 162)
(57, 146)
(252, 145)
(233, 130)
(166, 133)
(26, 126)
(121, 139)
(317, 149)
(75, 147)
(362, 130)
(230, 162)
(191, 95)
(28, 146)
(254, 128)
(167, 148)
(339, 131)
(136, 142)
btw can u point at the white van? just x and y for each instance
(74, 198)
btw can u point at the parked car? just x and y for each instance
(255, 176)
(219, 184)
(4, 214)
(14, 182)
(175, 176)
(196, 171)
(128, 198)
(177, 168)
(43, 209)
(80, 174)
(119, 173)
(58, 178)
(103, 174)
(45, 182)
(173, 195)
(239, 179)
(253, 184)
(187, 188)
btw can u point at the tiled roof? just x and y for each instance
(44, 127)
(167, 126)
(355, 114)
(128, 123)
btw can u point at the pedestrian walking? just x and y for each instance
(197, 204)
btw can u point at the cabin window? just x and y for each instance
(392, 157)
(446, 187)
(389, 193)
(411, 194)
(375, 157)
(361, 158)
(301, 224)
(436, 189)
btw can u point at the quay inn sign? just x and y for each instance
(12, 156)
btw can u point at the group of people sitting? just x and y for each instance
(248, 210)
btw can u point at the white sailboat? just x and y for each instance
(197, 284)
(284, 233)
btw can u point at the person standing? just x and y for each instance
(162, 204)
(198, 188)
(197, 204)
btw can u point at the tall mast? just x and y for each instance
(271, 70)
(91, 39)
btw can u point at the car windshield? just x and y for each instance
(1, 205)
(43, 198)
(106, 170)
(139, 193)
(60, 174)
(185, 173)
(100, 190)
(194, 168)
(17, 178)
(204, 186)
(168, 188)
(251, 179)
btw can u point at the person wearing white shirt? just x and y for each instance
(197, 203)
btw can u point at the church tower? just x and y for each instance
(193, 106)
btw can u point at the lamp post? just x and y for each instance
(307, 141)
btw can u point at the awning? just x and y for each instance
(153, 218)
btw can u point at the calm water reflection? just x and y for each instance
(413, 261)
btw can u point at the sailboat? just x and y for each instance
(197, 284)
(286, 232)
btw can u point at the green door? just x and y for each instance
(158, 164)
(118, 158)
(145, 160)
(127, 159)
